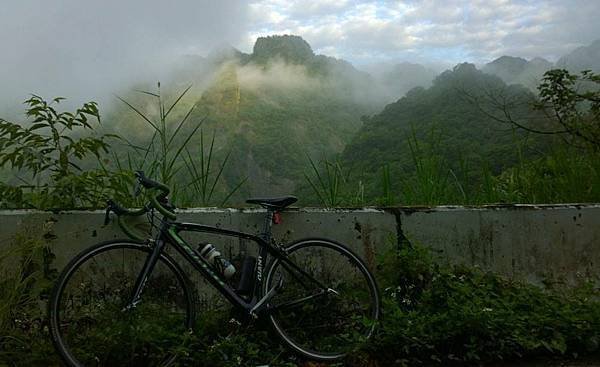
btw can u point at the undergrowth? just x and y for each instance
(25, 282)
(433, 315)
(462, 315)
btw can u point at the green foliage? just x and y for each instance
(26, 277)
(169, 155)
(274, 126)
(442, 315)
(434, 315)
(203, 173)
(462, 133)
(517, 166)
(328, 182)
(43, 146)
(163, 154)
(224, 341)
(51, 153)
(386, 184)
(573, 102)
(565, 175)
(430, 183)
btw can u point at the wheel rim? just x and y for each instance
(326, 327)
(91, 325)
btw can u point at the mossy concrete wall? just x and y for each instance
(530, 242)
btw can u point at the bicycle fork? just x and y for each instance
(151, 260)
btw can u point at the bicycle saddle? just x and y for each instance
(273, 203)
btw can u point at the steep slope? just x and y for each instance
(291, 49)
(507, 68)
(442, 117)
(270, 109)
(276, 106)
(516, 70)
(533, 72)
(582, 58)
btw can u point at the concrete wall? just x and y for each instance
(519, 241)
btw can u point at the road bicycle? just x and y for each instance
(130, 302)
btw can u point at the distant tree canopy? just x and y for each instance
(573, 103)
(568, 106)
(464, 135)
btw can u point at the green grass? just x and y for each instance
(564, 174)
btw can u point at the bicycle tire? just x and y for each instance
(312, 330)
(102, 308)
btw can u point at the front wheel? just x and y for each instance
(326, 306)
(92, 322)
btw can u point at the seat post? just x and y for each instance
(266, 235)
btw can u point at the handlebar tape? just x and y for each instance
(151, 184)
(121, 212)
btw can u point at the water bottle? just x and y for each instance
(213, 256)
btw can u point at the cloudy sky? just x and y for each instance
(443, 31)
(85, 49)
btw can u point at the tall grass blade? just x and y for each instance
(177, 100)
(139, 113)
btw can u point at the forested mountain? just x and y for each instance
(272, 109)
(276, 111)
(446, 123)
(506, 68)
(582, 58)
(516, 70)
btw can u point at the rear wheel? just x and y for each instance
(91, 324)
(328, 310)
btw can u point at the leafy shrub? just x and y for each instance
(443, 315)
(51, 151)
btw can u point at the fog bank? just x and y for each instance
(88, 50)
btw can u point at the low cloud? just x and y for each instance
(88, 50)
(277, 75)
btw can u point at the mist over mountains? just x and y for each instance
(516, 70)
(375, 84)
(282, 104)
(270, 109)
(582, 58)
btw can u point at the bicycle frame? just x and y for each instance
(169, 234)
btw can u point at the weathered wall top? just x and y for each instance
(520, 241)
